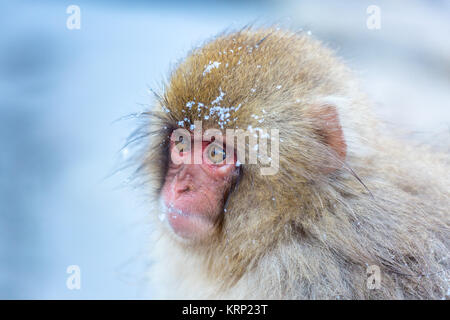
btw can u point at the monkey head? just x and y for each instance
(243, 82)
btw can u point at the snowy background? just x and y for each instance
(62, 90)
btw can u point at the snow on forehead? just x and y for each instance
(216, 111)
(211, 66)
(219, 97)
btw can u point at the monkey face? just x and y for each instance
(194, 192)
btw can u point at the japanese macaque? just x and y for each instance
(347, 211)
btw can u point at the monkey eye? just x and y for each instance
(216, 153)
(183, 144)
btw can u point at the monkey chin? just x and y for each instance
(187, 227)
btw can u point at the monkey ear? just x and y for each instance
(330, 131)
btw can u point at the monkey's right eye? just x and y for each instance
(216, 153)
(183, 144)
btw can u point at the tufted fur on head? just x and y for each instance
(346, 196)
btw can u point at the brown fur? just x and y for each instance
(302, 234)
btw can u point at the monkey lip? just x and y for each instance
(188, 225)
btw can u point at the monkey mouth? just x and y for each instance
(176, 212)
(187, 225)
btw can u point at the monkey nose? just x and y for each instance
(184, 187)
(183, 184)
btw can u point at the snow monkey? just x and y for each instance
(346, 211)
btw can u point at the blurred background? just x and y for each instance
(62, 90)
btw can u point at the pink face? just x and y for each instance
(194, 194)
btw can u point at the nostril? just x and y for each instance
(184, 188)
(184, 181)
